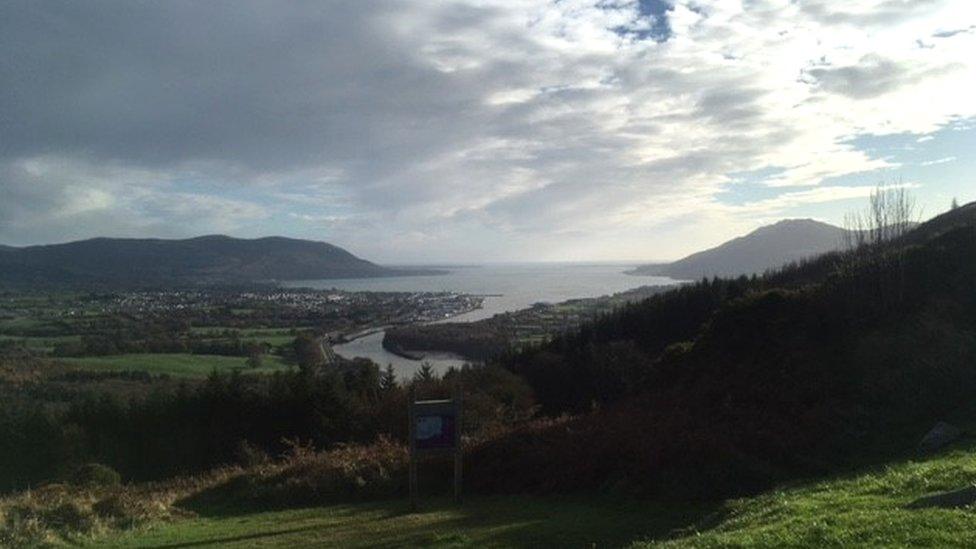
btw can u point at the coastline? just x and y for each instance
(347, 338)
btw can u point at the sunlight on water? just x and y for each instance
(508, 287)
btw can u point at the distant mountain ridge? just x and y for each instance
(765, 248)
(204, 259)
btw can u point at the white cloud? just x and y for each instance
(942, 160)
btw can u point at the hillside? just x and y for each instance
(867, 508)
(804, 393)
(864, 507)
(216, 258)
(726, 387)
(765, 248)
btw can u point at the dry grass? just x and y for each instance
(56, 514)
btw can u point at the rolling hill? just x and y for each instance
(205, 259)
(765, 248)
(727, 386)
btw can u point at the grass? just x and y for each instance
(857, 510)
(175, 364)
(40, 343)
(486, 521)
(271, 336)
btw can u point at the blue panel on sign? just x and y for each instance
(434, 431)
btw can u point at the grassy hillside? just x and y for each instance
(864, 508)
(729, 386)
(849, 510)
(485, 521)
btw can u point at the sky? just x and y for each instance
(477, 131)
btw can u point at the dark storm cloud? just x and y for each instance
(265, 85)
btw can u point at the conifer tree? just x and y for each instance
(388, 380)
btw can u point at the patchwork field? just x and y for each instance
(271, 336)
(176, 364)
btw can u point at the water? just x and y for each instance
(371, 347)
(508, 287)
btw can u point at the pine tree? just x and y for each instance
(388, 380)
(955, 203)
(425, 374)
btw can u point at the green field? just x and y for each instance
(496, 521)
(865, 509)
(40, 343)
(272, 336)
(176, 364)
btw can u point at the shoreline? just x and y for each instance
(415, 356)
(349, 338)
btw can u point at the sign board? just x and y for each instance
(435, 427)
(434, 431)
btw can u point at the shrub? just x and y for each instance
(110, 507)
(250, 455)
(96, 474)
(304, 478)
(125, 510)
(20, 530)
(70, 517)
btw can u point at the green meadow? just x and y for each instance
(176, 364)
(860, 509)
(485, 521)
(272, 336)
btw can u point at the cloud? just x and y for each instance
(865, 13)
(942, 160)
(871, 77)
(481, 129)
(52, 198)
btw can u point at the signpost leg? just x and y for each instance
(457, 477)
(413, 483)
(413, 451)
(458, 451)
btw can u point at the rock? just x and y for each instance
(947, 500)
(938, 437)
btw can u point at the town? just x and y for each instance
(139, 330)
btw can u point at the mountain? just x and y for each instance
(5, 248)
(765, 248)
(723, 387)
(204, 259)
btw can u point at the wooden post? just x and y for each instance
(457, 444)
(413, 447)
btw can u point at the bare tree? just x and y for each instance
(891, 212)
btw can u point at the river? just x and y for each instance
(507, 287)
